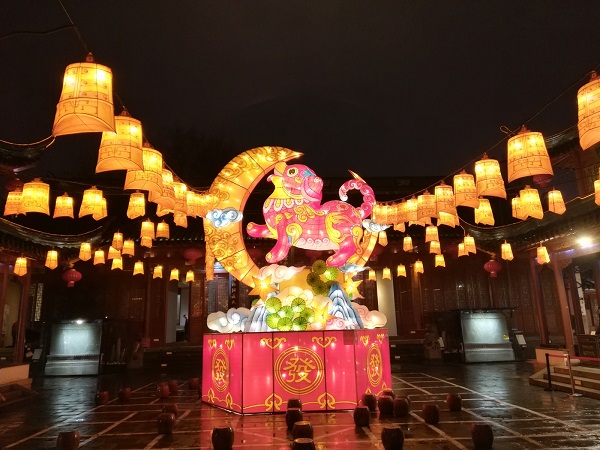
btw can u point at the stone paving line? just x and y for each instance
(521, 416)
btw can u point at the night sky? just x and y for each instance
(385, 88)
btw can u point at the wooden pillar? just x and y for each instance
(147, 300)
(19, 349)
(417, 298)
(579, 328)
(563, 301)
(3, 290)
(539, 301)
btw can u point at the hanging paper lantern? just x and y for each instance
(407, 244)
(556, 203)
(470, 244)
(180, 190)
(542, 255)
(166, 198)
(113, 253)
(121, 150)
(372, 276)
(13, 203)
(128, 247)
(117, 263)
(63, 206)
(419, 267)
(191, 254)
(426, 206)
(387, 274)
(206, 203)
(411, 210)
(51, 259)
(91, 203)
(157, 272)
(162, 230)
(36, 197)
(138, 268)
(597, 192)
(383, 240)
(483, 213)
(85, 251)
(488, 178)
(192, 203)
(99, 257)
(71, 276)
(102, 212)
(400, 227)
(461, 250)
(431, 233)
(527, 155)
(146, 242)
(117, 242)
(150, 178)
(531, 205)
(446, 219)
(180, 220)
(588, 105)
(465, 191)
(401, 270)
(493, 267)
(86, 101)
(542, 180)
(189, 276)
(444, 199)
(517, 210)
(147, 229)
(440, 261)
(174, 275)
(435, 247)
(506, 251)
(137, 205)
(20, 266)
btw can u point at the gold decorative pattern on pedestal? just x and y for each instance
(272, 402)
(269, 342)
(328, 340)
(220, 370)
(380, 337)
(326, 400)
(229, 343)
(364, 339)
(374, 365)
(212, 343)
(299, 370)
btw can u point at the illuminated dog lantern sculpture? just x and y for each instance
(295, 217)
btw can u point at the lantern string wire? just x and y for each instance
(79, 36)
(35, 33)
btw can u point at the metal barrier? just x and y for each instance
(566, 357)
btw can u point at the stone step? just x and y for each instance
(565, 387)
(11, 393)
(579, 372)
(578, 381)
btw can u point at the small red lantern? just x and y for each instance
(493, 267)
(542, 180)
(71, 276)
(192, 254)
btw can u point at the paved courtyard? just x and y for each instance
(522, 416)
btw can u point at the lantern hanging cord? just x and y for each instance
(79, 36)
(35, 33)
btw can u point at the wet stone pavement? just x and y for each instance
(522, 416)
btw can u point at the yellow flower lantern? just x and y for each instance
(117, 241)
(13, 203)
(588, 105)
(51, 259)
(63, 206)
(411, 210)
(85, 251)
(470, 244)
(465, 191)
(36, 197)
(401, 270)
(372, 276)
(20, 266)
(435, 247)
(146, 242)
(99, 257)
(91, 204)
(150, 178)
(102, 211)
(419, 266)
(506, 251)
(189, 276)
(483, 213)
(542, 255)
(117, 263)
(488, 178)
(138, 268)
(527, 155)
(444, 199)
(556, 204)
(407, 244)
(137, 205)
(531, 205)
(426, 206)
(431, 233)
(440, 261)
(121, 150)
(174, 275)
(128, 247)
(387, 274)
(461, 250)
(86, 100)
(166, 198)
(113, 253)
(162, 230)
(147, 229)
(517, 210)
(157, 272)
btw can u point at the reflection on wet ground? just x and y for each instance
(522, 416)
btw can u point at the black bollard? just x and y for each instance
(549, 388)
